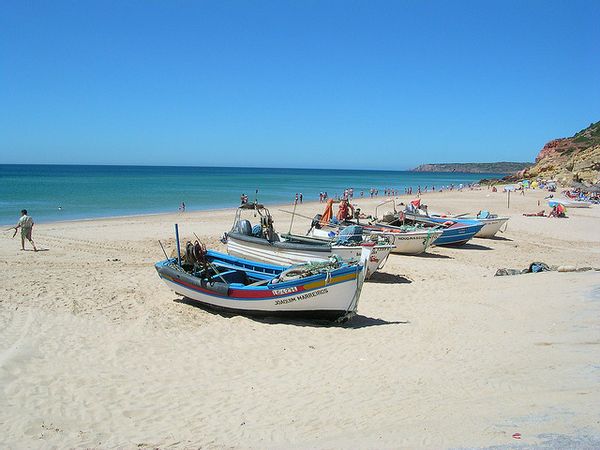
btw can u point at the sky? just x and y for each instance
(315, 84)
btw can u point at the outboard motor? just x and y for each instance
(244, 227)
(350, 235)
(316, 222)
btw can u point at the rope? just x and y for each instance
(312, 268)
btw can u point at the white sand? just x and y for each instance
(96, 352)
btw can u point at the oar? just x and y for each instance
(298, 214)
(304, 217)
(163, 249)
(293, 215)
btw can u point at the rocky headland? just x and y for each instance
(576, 158)
(495, 167)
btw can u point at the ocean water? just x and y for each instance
(105, 191)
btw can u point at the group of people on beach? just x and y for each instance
(348, 194)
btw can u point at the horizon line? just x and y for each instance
(259, 167)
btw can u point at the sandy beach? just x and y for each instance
(96, 352)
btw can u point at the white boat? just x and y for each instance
(492, 223)
(325, 291)
(569, 203)
(412, 242)
(262, 243)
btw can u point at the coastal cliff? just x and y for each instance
(576, 158)
(495, 167)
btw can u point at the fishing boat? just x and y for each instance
(454, 232)
(326, 290)
(262, 243)
(407, 240)
(492, 223)
(570, 203)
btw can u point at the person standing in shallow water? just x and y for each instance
(26, 225)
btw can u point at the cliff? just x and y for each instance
(576, 158)
(495, 167)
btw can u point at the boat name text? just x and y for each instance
(301, 297)
(283, 291)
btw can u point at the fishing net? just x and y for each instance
(309, 269)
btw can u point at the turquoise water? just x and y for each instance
(104, 191)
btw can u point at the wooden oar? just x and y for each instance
(297, 214)
(305, 217)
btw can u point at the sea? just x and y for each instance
(67, 192)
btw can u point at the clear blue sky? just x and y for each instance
(369, 84)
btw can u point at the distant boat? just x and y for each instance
(405, 241)
(491, 222)
(455, 232)
(570, 203)
(262, 243)
(327, 290)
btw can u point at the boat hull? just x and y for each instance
(490, 227)
(414, 243)
(257, 249)
(458, 234)
(320, 297)
(404, 242)
(570, 203)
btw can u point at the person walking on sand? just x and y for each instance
(26, 225)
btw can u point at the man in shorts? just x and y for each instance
(26, 225)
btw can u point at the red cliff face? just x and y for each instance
(552, 147)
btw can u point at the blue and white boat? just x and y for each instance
(262, 243)
(322, 290)
(455, 231)
(492, 223)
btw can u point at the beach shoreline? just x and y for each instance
(57, 193)
(269, 205)
(96, 352)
